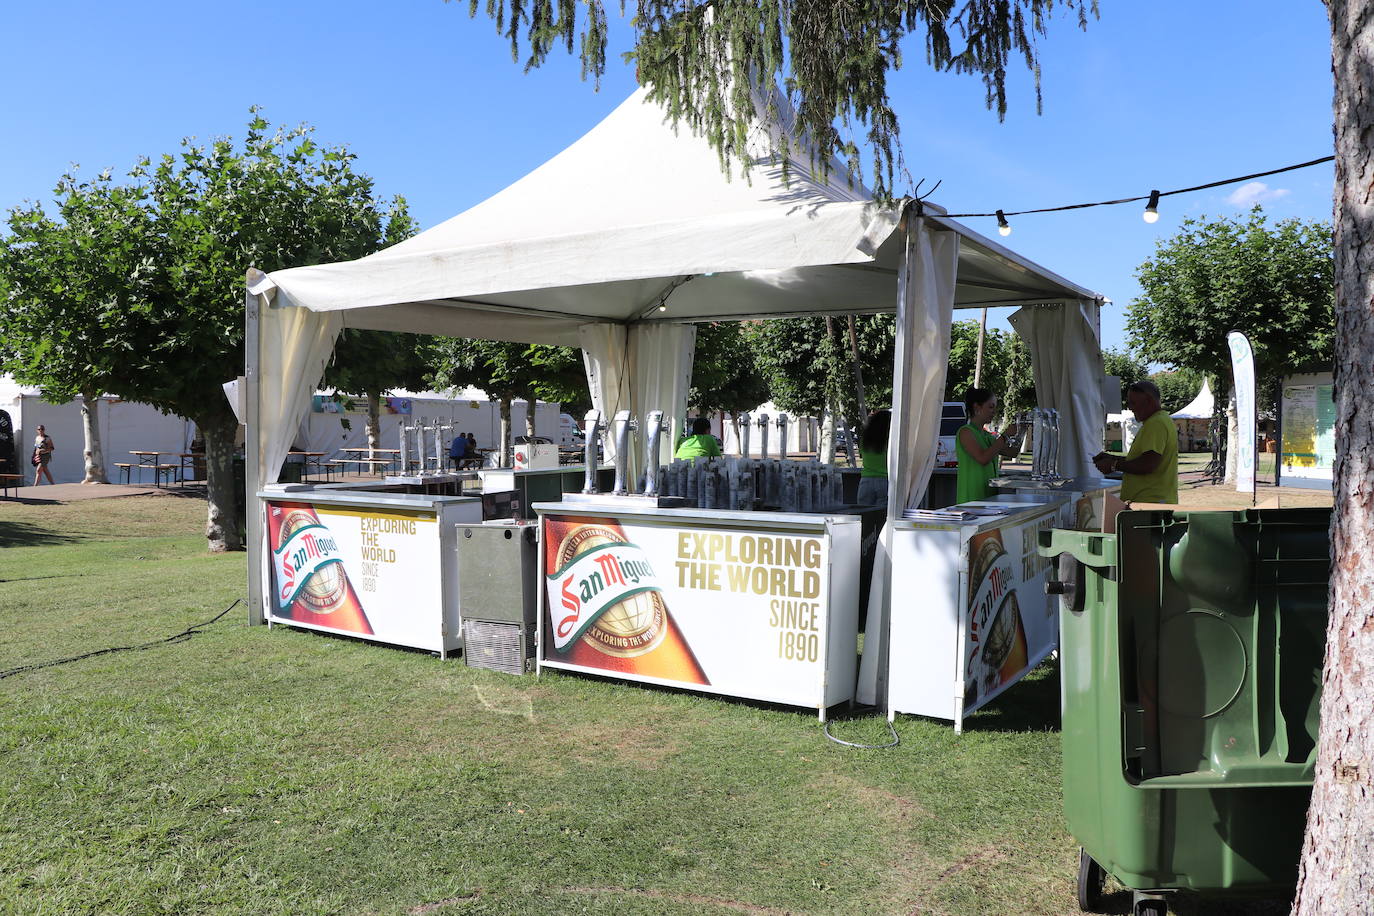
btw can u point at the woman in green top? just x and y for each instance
(978, 449)
(873, 450)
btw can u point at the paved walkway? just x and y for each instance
(72, 492)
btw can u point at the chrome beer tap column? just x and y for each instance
(744, 422)
(653, 429)
(591, 430)
(763, 434)
(782, 436)
(621, 427)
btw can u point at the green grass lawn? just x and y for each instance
(260, 771)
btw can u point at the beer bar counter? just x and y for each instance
(752, 604)
(969, 615)
(375, 564)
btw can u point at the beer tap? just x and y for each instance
(782, 436)
(1037, 443)
(621, 426)
(654, 424)
(405, 447)
(763, 434)
(591, 429)
(744, 421)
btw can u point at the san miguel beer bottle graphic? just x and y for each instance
(997, 637)
(605, 608)
(309, 583)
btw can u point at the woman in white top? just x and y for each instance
(42, 454)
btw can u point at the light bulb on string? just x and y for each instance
(1003, 227)
(1151, 214)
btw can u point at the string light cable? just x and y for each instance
(1151, 213)
(184, 635)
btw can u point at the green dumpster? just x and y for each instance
(1191, 652)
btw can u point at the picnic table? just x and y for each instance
(310, 461)
(151, 460)
(377, 465)
(11, 482)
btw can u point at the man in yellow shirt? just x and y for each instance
(1149, 470)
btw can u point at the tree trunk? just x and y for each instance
(223, 527)
(90, 426)
(503, 447)
(858, 370)
(1337, 872)
(530, 404)
(827, 436)
(374, 421)
(1232, 430)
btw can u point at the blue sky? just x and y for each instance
(1164, 94)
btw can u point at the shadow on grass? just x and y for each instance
(26, 534)
(1031, 705)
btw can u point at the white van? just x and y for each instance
(570, 432)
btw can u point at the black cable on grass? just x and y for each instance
(867, 747)
(184, 635)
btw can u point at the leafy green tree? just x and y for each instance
(698, 58)
(72, 283)
(367, 363)
(725, 374)
(505, 371)
(1178, 387)
(1126, 367)
(1271, 282)
(189, 226)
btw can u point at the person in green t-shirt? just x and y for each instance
(873, 450)
(1149, 469)
(700, 444)
(976, 448)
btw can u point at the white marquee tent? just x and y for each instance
(622, 241)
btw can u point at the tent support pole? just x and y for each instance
(253, 532)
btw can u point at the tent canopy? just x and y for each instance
(625, 239)
(1199, 408)
(636, 215)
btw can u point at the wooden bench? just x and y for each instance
(11, 482)
(124, 468)
(170, 471)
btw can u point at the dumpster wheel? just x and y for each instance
(1091, 879)
(1149, 905)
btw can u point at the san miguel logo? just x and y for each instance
(304, 559)
(606, 591)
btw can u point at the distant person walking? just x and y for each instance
(42, 454)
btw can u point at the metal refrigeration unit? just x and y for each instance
(498, 594)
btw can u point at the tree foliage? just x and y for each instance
(725, 372)
(182, 231)
(700, 59)
(1272, 282)
(808, 366)
(506, 371)
(1126, 367)
(1178, 387)
(1006, 366)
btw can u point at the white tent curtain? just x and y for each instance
(1067, 359)
(296, 344)
(661, 359)
(606, 355)
(639, 368)
(925, 313)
